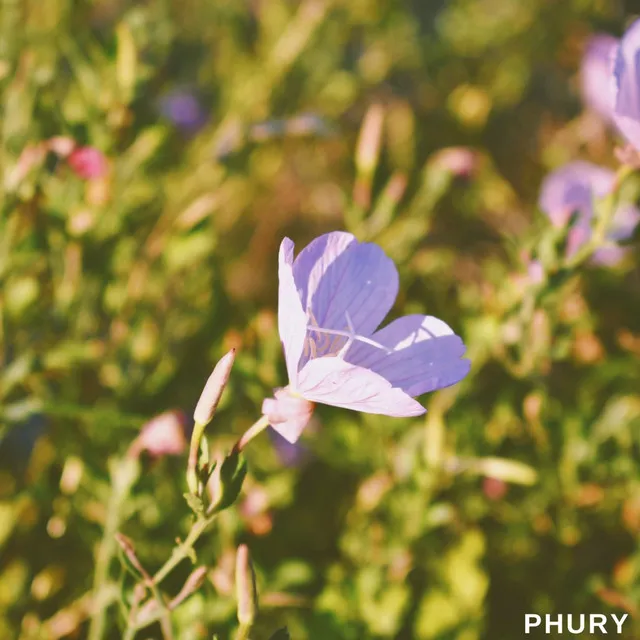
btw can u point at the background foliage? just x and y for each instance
(518, 493)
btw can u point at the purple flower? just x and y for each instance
(595, 74)
(290, 454)
(184, 110)
(626, 85)
(572, 188)
(331, 300)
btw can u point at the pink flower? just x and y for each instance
(573, 187)
(161, 436)
(462, 162)
(494, 488)
(87, 163)
(596, 72)
(331, 300)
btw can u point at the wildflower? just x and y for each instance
(184, 110)
(331, 300)
(87, 163)
(595, 74)
(290, 454)
(161, 436)
(494, 488)
(626, 76)
(462, 162)
(572, 188)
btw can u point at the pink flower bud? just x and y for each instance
(246, 591)
(213, 389)
(88, 163)
(462, 162)
(493, 488)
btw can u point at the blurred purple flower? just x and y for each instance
(291, 454)
(572, 188)
(595, 74)
(331, 300)
(88, 163)
(184, 110)
(626, 85)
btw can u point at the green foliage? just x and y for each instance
(517, 492)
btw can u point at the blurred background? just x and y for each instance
(154, 154)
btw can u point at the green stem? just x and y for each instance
(183, 550)
(253, 431)
(179, 554)
(124, 473)
(243, 632)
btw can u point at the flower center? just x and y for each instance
(321, 342)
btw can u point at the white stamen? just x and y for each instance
(350, 335)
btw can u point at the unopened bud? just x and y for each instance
(130, 557)
(368, 148)
(191, 585)
(212, 392)
(462, 162)
(246, 591)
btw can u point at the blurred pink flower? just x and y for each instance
(493, 488)
(626, 85)
(331, 300)
(162, 436)
(88, 163)
(462, 162)
(572, 188)
(596, 74)
(535, 272)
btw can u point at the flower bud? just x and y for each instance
(212, 392)
(246, 591)
(192, 584)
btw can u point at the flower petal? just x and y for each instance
(287, 414)
(333, 381)
(571, 188)
(595, 73)
(625, 221)
(336, 275)
(425, 354)
(626, 85)
(292, 320)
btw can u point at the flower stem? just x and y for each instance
(243, 632)
(184, 549)
(124, 473)
(252, 432)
